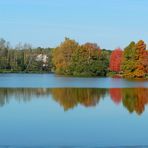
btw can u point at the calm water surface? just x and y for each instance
(53, 81)
(51, 111)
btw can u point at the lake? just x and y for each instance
(44, 110)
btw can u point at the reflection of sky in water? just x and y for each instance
(52, 81)
(99, 117)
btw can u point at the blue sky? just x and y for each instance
(109, 23)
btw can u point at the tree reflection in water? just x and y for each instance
(134, 99)
(71, 97)
(116, 95)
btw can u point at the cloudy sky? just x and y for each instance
(109, 23)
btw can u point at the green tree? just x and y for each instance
(86, 60)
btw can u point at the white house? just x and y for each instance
(42, 58)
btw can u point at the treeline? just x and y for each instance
(132, 62)
(24, 58)
(71, 58)
(89, 59)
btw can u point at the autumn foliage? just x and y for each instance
(135, 60)
(87, 59)
(115, 60)
(74, 59)
(71, 58)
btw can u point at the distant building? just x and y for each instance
(42, 58)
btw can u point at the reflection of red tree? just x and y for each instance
(116, 94)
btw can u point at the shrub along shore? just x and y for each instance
(72, 59)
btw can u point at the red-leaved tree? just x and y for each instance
(115, 60)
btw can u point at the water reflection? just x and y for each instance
(133, 99)
(116, 94)
(71, 97)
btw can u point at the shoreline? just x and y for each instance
(36, 72)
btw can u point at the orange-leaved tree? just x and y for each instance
(62, 56)
(135, 60)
